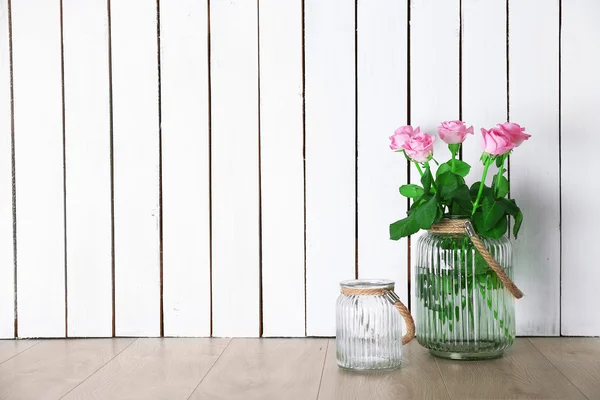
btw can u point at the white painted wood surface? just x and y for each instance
(185, 167)
(484, 86)
(88, 178)
(580, 90)
(235, 168)
(330, 157)
(534, 166)
(434, 77)
(282, 167)
(7, 276)
(39, 168)
(382, 107)
(136, 167)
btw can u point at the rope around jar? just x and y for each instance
(390, 295)
(464, 225)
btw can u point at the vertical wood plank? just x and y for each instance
(534, 166)
(39, 168)
(434, 76)
(484, 88)
(382, 107)
(136, 164)
(235, 168)
(580, 92)
(7, 276)
(88, 180)
(282, 167)
(330, 157)
(185, 167)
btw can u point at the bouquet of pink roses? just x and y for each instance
(447, 194)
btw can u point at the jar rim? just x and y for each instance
(368, 284)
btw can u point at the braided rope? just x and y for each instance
(464, 226)
(410, 323)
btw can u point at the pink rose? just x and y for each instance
(496, 141)
(453, 132)
(419, 147)
(516, 133)
(401, 135)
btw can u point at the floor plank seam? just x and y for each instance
(98, 369)
(323, 369)
(21, 352)
(558, 369)
(442, 376)
(210, 369)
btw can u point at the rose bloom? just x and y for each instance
(515, 131)
(401, 135)
(419, 147)
(496, 141)
(454, 132)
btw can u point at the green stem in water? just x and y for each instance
(486, 165)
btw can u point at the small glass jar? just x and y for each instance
(463, 310)
(369, 327)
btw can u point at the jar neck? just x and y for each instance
(368, 284)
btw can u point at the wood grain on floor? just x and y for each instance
(418, 378)
(153, 369)
(265, 369)
(577, 358)
(523, 373)
(286, 369)
(53, 367)
(10, 348)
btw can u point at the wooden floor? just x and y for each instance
(283, 369)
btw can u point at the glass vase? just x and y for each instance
(463, 310)
(368, 328)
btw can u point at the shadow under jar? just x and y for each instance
(463, 310)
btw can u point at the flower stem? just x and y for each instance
(419, 168)
(486, 165)
(500, 173)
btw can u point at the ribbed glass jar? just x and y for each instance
(369, 328)
(463, 310)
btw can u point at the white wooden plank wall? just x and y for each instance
(580, 90)
(282, 167)
(7, 277)
(330, 135)
(235, 168)
(382, 107)
(434, 77)
(484, 79)
(534, 167)
(185, 167)
(88, 178)
(36, 39)
(136, 167)
(272, 119)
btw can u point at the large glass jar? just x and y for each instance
(463, 310)
(368, 326)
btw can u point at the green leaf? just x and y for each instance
(446, 184)
(411, 191)
(462, 196)
(510, 206)
(492, 212)
(499, 160)
(425, 214)
(404, 227)
(500, 184)
(442, 168)
(497, 230)
(459, 167)
(426, 180)
(518, 222)
(486, 193)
